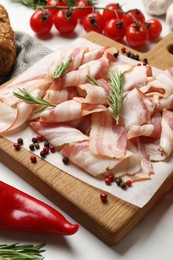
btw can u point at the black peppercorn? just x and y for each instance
(145, 60)
(46, 144)
(118, 180)
(32, 147)
(42, 154)
(116, 54)
(123, 185)
(34, 140)
(20, 141)
(65, 160)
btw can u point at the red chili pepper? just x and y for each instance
(22, 212)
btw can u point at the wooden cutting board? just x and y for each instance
(111, 221)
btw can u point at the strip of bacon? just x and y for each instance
(106, 138)
(58, 134)
(12, 118)
(166, 139)
(79, 153)
(152, 147)
(166, 102)
(65, 111)
(57, 96)
(161, 85)
(96, 69)
(136, 77)
(88, 109)
(137, 147)
(75, 54)
(137, 108)
(92, 94)
(93, 55)
(152, 129)
(6, 93)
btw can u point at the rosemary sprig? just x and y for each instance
(21, 252)
(116, 96)
(61, 69)
(33, 3)
(93, 80)
(30, 99)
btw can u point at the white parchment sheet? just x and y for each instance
(140, 192)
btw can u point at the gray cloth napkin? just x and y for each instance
(28, 51)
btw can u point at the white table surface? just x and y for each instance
(151, 239)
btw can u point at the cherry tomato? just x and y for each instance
(65, 21)
(81, 13)
(132, 15)
(108, 15)
(115, 29)
(55, 3)
(93, 22)
(136, 34)
(41, 21)
(154, 28)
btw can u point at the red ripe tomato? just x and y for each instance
(132, 15)
(136, 35)
(55, 3)
(81, 13)
(115, 29)
(108, 15)
(65, 21)
(41, 21)
(154, 28)
(93, 22)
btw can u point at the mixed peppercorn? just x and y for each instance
(47, 147)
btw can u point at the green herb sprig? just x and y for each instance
(116, 96)
(30, 99)
(21, 252)
(93, 80)
(61, 69)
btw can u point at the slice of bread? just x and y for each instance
(7, 43)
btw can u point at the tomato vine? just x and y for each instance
(130, 27)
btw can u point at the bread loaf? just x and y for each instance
(7, 43)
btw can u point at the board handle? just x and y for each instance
(162, 54)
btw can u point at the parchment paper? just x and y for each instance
(140, 192)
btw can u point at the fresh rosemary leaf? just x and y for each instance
(93, 80)
(30, 99)
(21, 252)
(61, 69)
(33, 3)
(116, 96)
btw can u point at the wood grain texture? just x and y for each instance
(111, 221)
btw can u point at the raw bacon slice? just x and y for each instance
(88, 109)
(97, 69)
(58, 134)
(136, 77)
(76, 56)
(92, 94)
(153, 149)
(11, 118)
(161, 85)
(137, 147)
(57, 96)
(152, 129)
(106, 138)
(6, 93)
(93, 55)
(166, 102)
(137, 108)
(79, 153)
(166, 139)
(65, 111)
